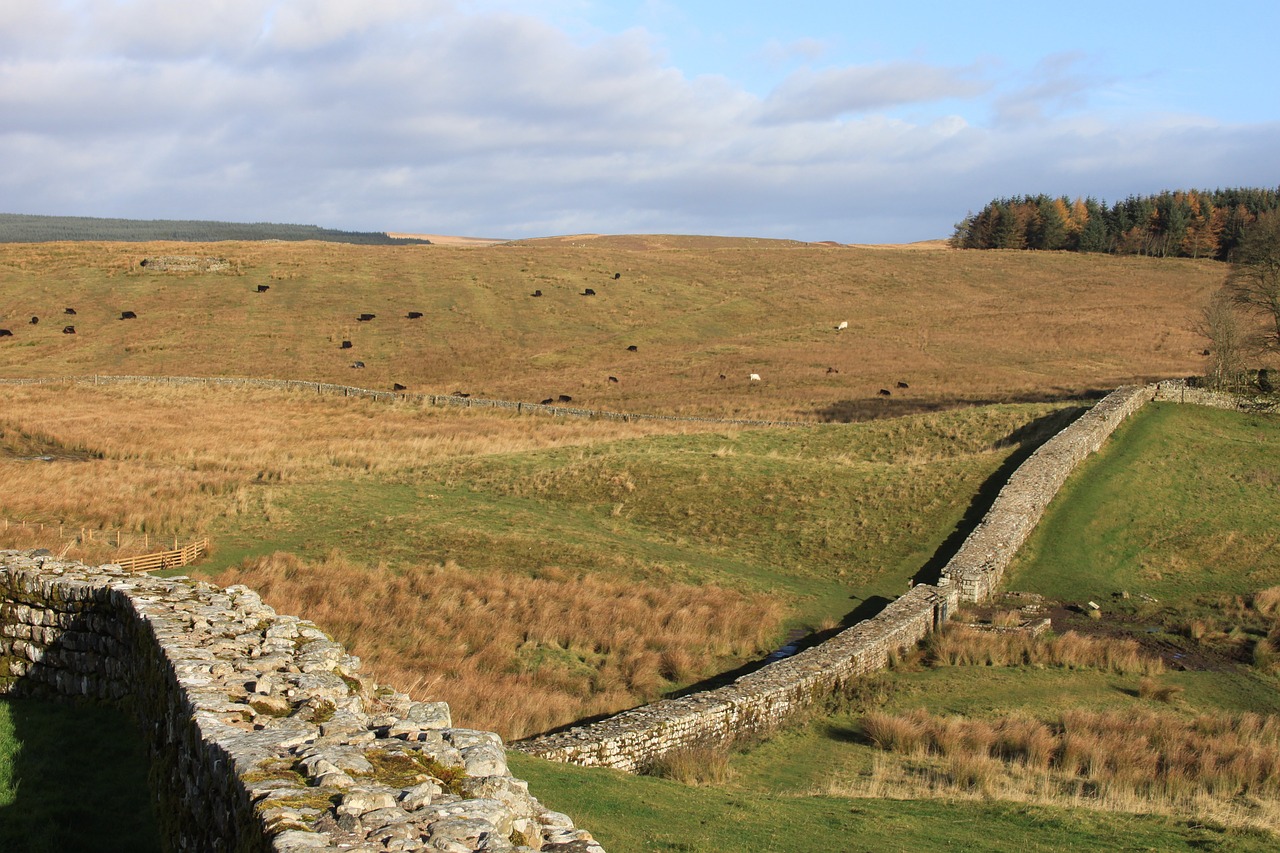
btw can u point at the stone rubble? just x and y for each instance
(264, 735)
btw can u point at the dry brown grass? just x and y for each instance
(517, 654)
(1220, 766)
(961, 646)
(161, 461)
(956, 326)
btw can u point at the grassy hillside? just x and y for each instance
(584, 565)
(1211, 642)
(954, 326)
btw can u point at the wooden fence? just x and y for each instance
(165, 559)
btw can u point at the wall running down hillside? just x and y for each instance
(263, 734)
(763, 699)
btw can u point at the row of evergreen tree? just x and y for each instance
(25, 228)
(1190, 223)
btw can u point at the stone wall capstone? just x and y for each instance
(263, 734)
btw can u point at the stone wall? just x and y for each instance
(1181, 391)
(393, 396)
(263, 734)
(979, 564)
(755, 703)
(764, 699)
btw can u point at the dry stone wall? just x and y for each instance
(393, 396)
(979, 564)
(764, 699)
(264, 735)
(1181, 391)
(755, 703)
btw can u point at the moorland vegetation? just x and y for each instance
(541, 569)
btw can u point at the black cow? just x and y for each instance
(617, 276)
(722, 376)
(128, 315)
(414, 315)
(903, 385)
(5, 333)
(263, 288)
(364, 318)
(588, 292)
(565, 398)
(357, 364)
(396, 386)
(884, 392)
(613, 379)
(35, 320)
(68, 330)
(1206, 352)
(70, 311)
(546, 402)
(143, 262)
(633, 348)
(345, 345)
(536, 293)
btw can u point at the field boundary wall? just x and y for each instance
(263, 734)
(398, 396)
(762, 700)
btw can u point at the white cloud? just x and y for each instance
(408, 115)
(819, 96)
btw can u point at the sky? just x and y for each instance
(851, 121)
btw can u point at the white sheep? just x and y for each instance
(755, 377)
(844, 324)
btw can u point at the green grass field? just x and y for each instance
(822, 518)
(72, 778)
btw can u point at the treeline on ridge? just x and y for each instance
(1181, 223)
(27, 228)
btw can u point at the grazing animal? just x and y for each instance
(357, 364)
(364, 318)
(633, 348)
(460, 394)
(35, 320)
(903, 385)
(414, 315)
(617, 276)
(588, 292)
(546, 402)
(755, 377)
(536, 293)
(722, 376)
(565, 398)
(884, 392)
(1206, 352)
(844, 324)
(831, 370)
(263, 288)
(71, 311)
(5, 333)
(345, 345)
(396, 386)
(613, 379)
(143, 262)
(68, 330)
(128, 315)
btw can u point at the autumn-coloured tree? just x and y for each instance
(1254, 281)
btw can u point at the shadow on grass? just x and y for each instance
(873, 408)
(73, 778)
(1028, 438)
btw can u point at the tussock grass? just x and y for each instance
(697, 766)
(565, 645)
(1132, 760)
(961, 646)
